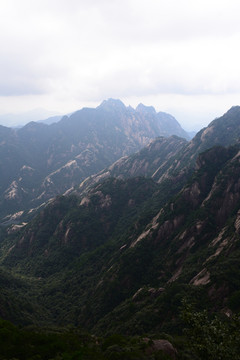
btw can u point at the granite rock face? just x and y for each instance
(39, 161)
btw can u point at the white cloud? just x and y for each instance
(69, 53)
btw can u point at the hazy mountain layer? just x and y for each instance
(122, 256)
(39, 161)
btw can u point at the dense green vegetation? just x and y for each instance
(88, 247)
(74, 343)
(211, 337)
(202, 336)
(120, 259)
(76, 263)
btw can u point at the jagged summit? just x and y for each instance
(227, 125)
(141, 108)
(112, 104)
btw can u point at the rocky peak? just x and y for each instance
(112, 104)
(233, 110)
(228, 122)
(145, 109)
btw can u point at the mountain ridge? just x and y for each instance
(178, 167)
(121, 256)
(64, 153)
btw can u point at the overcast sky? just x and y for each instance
(181, 56)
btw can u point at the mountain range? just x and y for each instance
(40, 161)
(121, 249)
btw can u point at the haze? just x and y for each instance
(180, 56)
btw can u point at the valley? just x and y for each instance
(122, 225)
(39, 161)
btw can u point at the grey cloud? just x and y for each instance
(154, 22)
(21, 87)
(17, 81)
(72, 50)
(134, 82)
